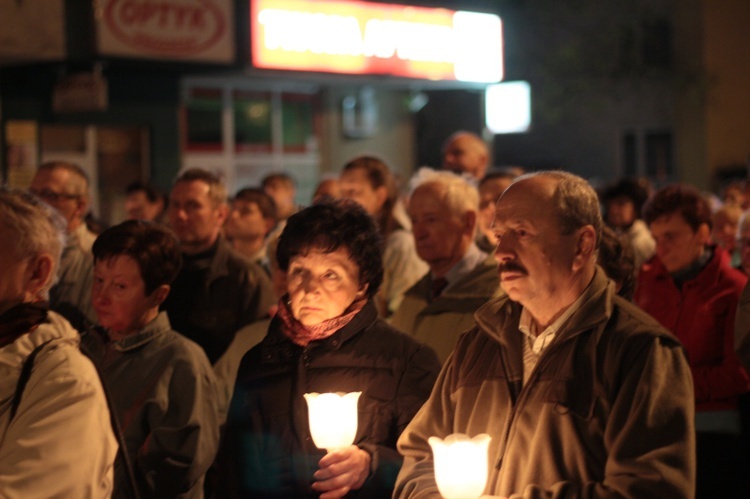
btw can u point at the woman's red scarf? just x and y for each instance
(302, 335)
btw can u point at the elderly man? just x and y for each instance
(466, 152)
(690, 287)
(439, 307)
(583, 394)
(65, 187)
(217, 290)
(56, 435)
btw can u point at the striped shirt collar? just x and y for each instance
(542, 340)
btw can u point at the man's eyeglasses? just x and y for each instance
(53, 197)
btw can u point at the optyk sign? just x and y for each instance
(167, 29)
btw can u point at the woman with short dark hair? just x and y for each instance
(326, 337)
(161, 384)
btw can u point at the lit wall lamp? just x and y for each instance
(508, 107)
(416, 100)
(333, 419)
(460, 465)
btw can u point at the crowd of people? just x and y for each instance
(601, 337)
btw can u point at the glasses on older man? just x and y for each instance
(52, 196)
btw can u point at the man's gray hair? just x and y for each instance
(575, 200)
(36, 228)
(78, 184)
(460, 194)
(217, 190)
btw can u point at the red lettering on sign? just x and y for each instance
(169, 27)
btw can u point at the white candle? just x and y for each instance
(460, 465)
(333, 418)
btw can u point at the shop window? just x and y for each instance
(203, 116)
(659, 155)
(112, 155)
(298, 118)
(648, 153)
(252, 121)
(245, 131)
(122, 158)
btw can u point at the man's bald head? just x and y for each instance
(466, 152)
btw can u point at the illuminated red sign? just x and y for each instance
(368, 38)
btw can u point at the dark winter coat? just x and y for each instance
(267, 450)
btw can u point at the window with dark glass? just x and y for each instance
(298, 118)
(252, 121)
(203, 120)
(659, 155)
